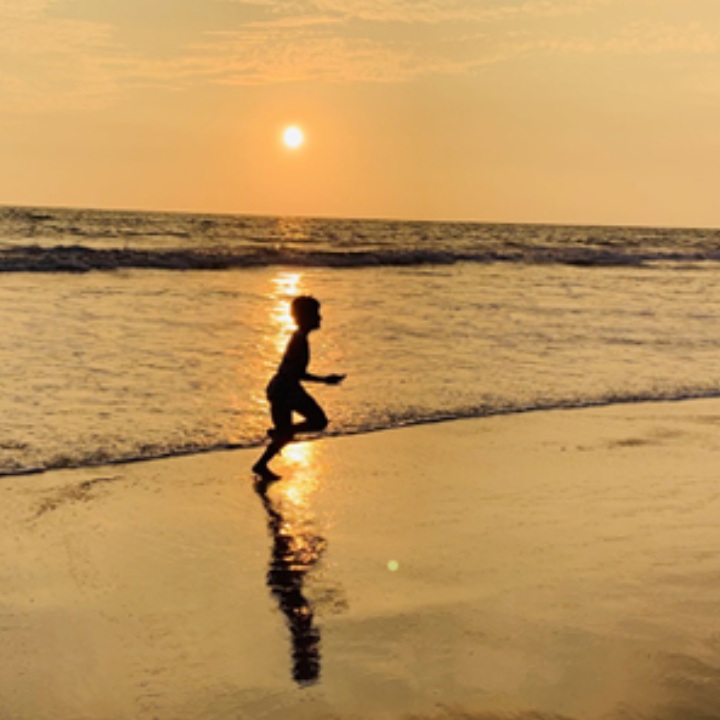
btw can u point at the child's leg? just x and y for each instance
(261, 466)
(315, 418)
(281, 414)
(284, 430)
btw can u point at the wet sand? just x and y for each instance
(550, 565)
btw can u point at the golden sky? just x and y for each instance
(574, 111)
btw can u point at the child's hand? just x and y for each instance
(334, 379)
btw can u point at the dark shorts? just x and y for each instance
(286, 398)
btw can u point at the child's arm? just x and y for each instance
(327, 379)
(296, 358)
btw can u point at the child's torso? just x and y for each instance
(296, 359)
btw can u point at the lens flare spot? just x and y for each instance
(393, 566)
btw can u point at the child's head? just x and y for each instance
(306, 312)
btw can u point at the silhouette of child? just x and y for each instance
(285, 391)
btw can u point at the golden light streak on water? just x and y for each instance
(302, 477)
(279, 326)
(296, 549)
(286, 286)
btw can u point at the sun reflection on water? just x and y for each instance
(286, 286)
(304, 482)
(296, 544)
(296, 549)
(277, 327)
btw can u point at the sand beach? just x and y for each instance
(557, 564)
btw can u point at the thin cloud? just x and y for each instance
(634, 39)
(27, 27)
(646, 38)
(284, 51)
(334, 41)
(427, 11)
(295, 22)
(47, 61)
(245, 59)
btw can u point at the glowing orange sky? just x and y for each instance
(587, 111)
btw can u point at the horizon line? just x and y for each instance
(358, 218)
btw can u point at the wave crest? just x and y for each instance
(80, 258)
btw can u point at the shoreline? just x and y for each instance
(254, 446)
(560, 563)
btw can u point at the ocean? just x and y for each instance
(136, 335)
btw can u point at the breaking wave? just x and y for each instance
(79, 258)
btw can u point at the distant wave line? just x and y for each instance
(80, 259)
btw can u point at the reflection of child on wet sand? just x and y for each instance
(284, 391)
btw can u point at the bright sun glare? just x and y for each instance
(293, 137)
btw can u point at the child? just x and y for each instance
(286, 394)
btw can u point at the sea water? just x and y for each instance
(132, 335)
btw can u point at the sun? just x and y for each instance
(293, 137)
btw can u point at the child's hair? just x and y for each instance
(303, 307)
